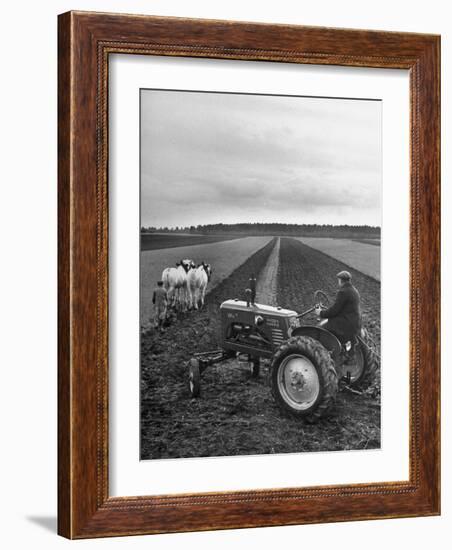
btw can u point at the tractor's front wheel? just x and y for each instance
(303, 378)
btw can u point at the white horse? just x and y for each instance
(175, 282)
(197, 279)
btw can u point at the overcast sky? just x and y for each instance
(212, 157)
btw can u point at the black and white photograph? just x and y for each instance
(224, 239)
(260, 274)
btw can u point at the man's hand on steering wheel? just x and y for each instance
(322, 302)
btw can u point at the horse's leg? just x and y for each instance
(187, 297)
(174, 296)
(195, 298)
(190, 297)
(178, 298)
(203, 293)
(182, 298)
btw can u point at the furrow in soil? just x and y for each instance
(267, 282)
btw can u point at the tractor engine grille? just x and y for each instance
(277, 336)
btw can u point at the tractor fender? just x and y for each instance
(326, 338)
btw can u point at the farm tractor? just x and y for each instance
(307, 362)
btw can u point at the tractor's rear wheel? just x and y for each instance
(371, 362)
(194, 378)
(303, 378)
(362, 369)
(354, 370)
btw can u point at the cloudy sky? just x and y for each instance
(214, 157)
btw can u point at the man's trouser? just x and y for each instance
(160, 313)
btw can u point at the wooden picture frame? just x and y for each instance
(85, 42)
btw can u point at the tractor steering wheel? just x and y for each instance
(321, 299)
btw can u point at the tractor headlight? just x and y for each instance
(294, 322)
(259, 320)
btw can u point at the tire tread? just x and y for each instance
(313, 349)
(371, 363)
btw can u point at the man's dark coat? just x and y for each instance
(344, 316)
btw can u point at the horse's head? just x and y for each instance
(187, 264)
(208, 269)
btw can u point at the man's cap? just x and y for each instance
(160, 282)
(344, 275)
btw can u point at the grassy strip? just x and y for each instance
(374, 242)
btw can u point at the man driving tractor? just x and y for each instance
(307, 361)
(344, 316)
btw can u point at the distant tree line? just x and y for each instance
(289, 229)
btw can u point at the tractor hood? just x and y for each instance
(241, 305)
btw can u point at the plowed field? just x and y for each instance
(224, 256)
(236, 414)
(360, 255)
(157, 241)
(303, 270)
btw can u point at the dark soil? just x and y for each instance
(156, 241)
(168, 413)
(303, 270)
(235, 413)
